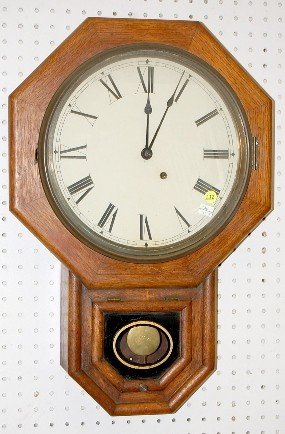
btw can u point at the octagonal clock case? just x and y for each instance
(141, 156)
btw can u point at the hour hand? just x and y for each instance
(146, 152)
(148, 108)
(148, 111)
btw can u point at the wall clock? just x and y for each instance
(143, 163)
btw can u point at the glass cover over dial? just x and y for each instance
(144, 153)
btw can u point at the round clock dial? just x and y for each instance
(144, 153)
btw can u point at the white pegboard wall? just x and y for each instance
(246, 394)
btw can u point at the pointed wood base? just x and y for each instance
(84, 344)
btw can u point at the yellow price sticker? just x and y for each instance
(210, 196)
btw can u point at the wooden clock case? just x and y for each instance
(97, 284)
(83, 337)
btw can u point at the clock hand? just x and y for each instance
(147, 152)
(148, 110)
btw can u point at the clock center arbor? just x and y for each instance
(141, 156)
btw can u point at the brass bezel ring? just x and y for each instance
(142, 322)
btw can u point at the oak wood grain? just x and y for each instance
(183, 285)
(83, 337)
(28, 103)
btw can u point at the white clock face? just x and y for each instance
(145, 154)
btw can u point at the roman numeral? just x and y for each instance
(112, 90)
(79, 186)
(181, 218)
(203, 187)
(109, 216)
(181, 90)
(148, 88)
(144, 228)
(207, 117)
(216, 153)
(72, 153)
(90, 118)
(86, 115)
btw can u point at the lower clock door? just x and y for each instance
(138, 351)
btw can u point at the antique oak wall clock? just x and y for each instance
(141, 155)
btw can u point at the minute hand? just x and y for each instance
(168, 105)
